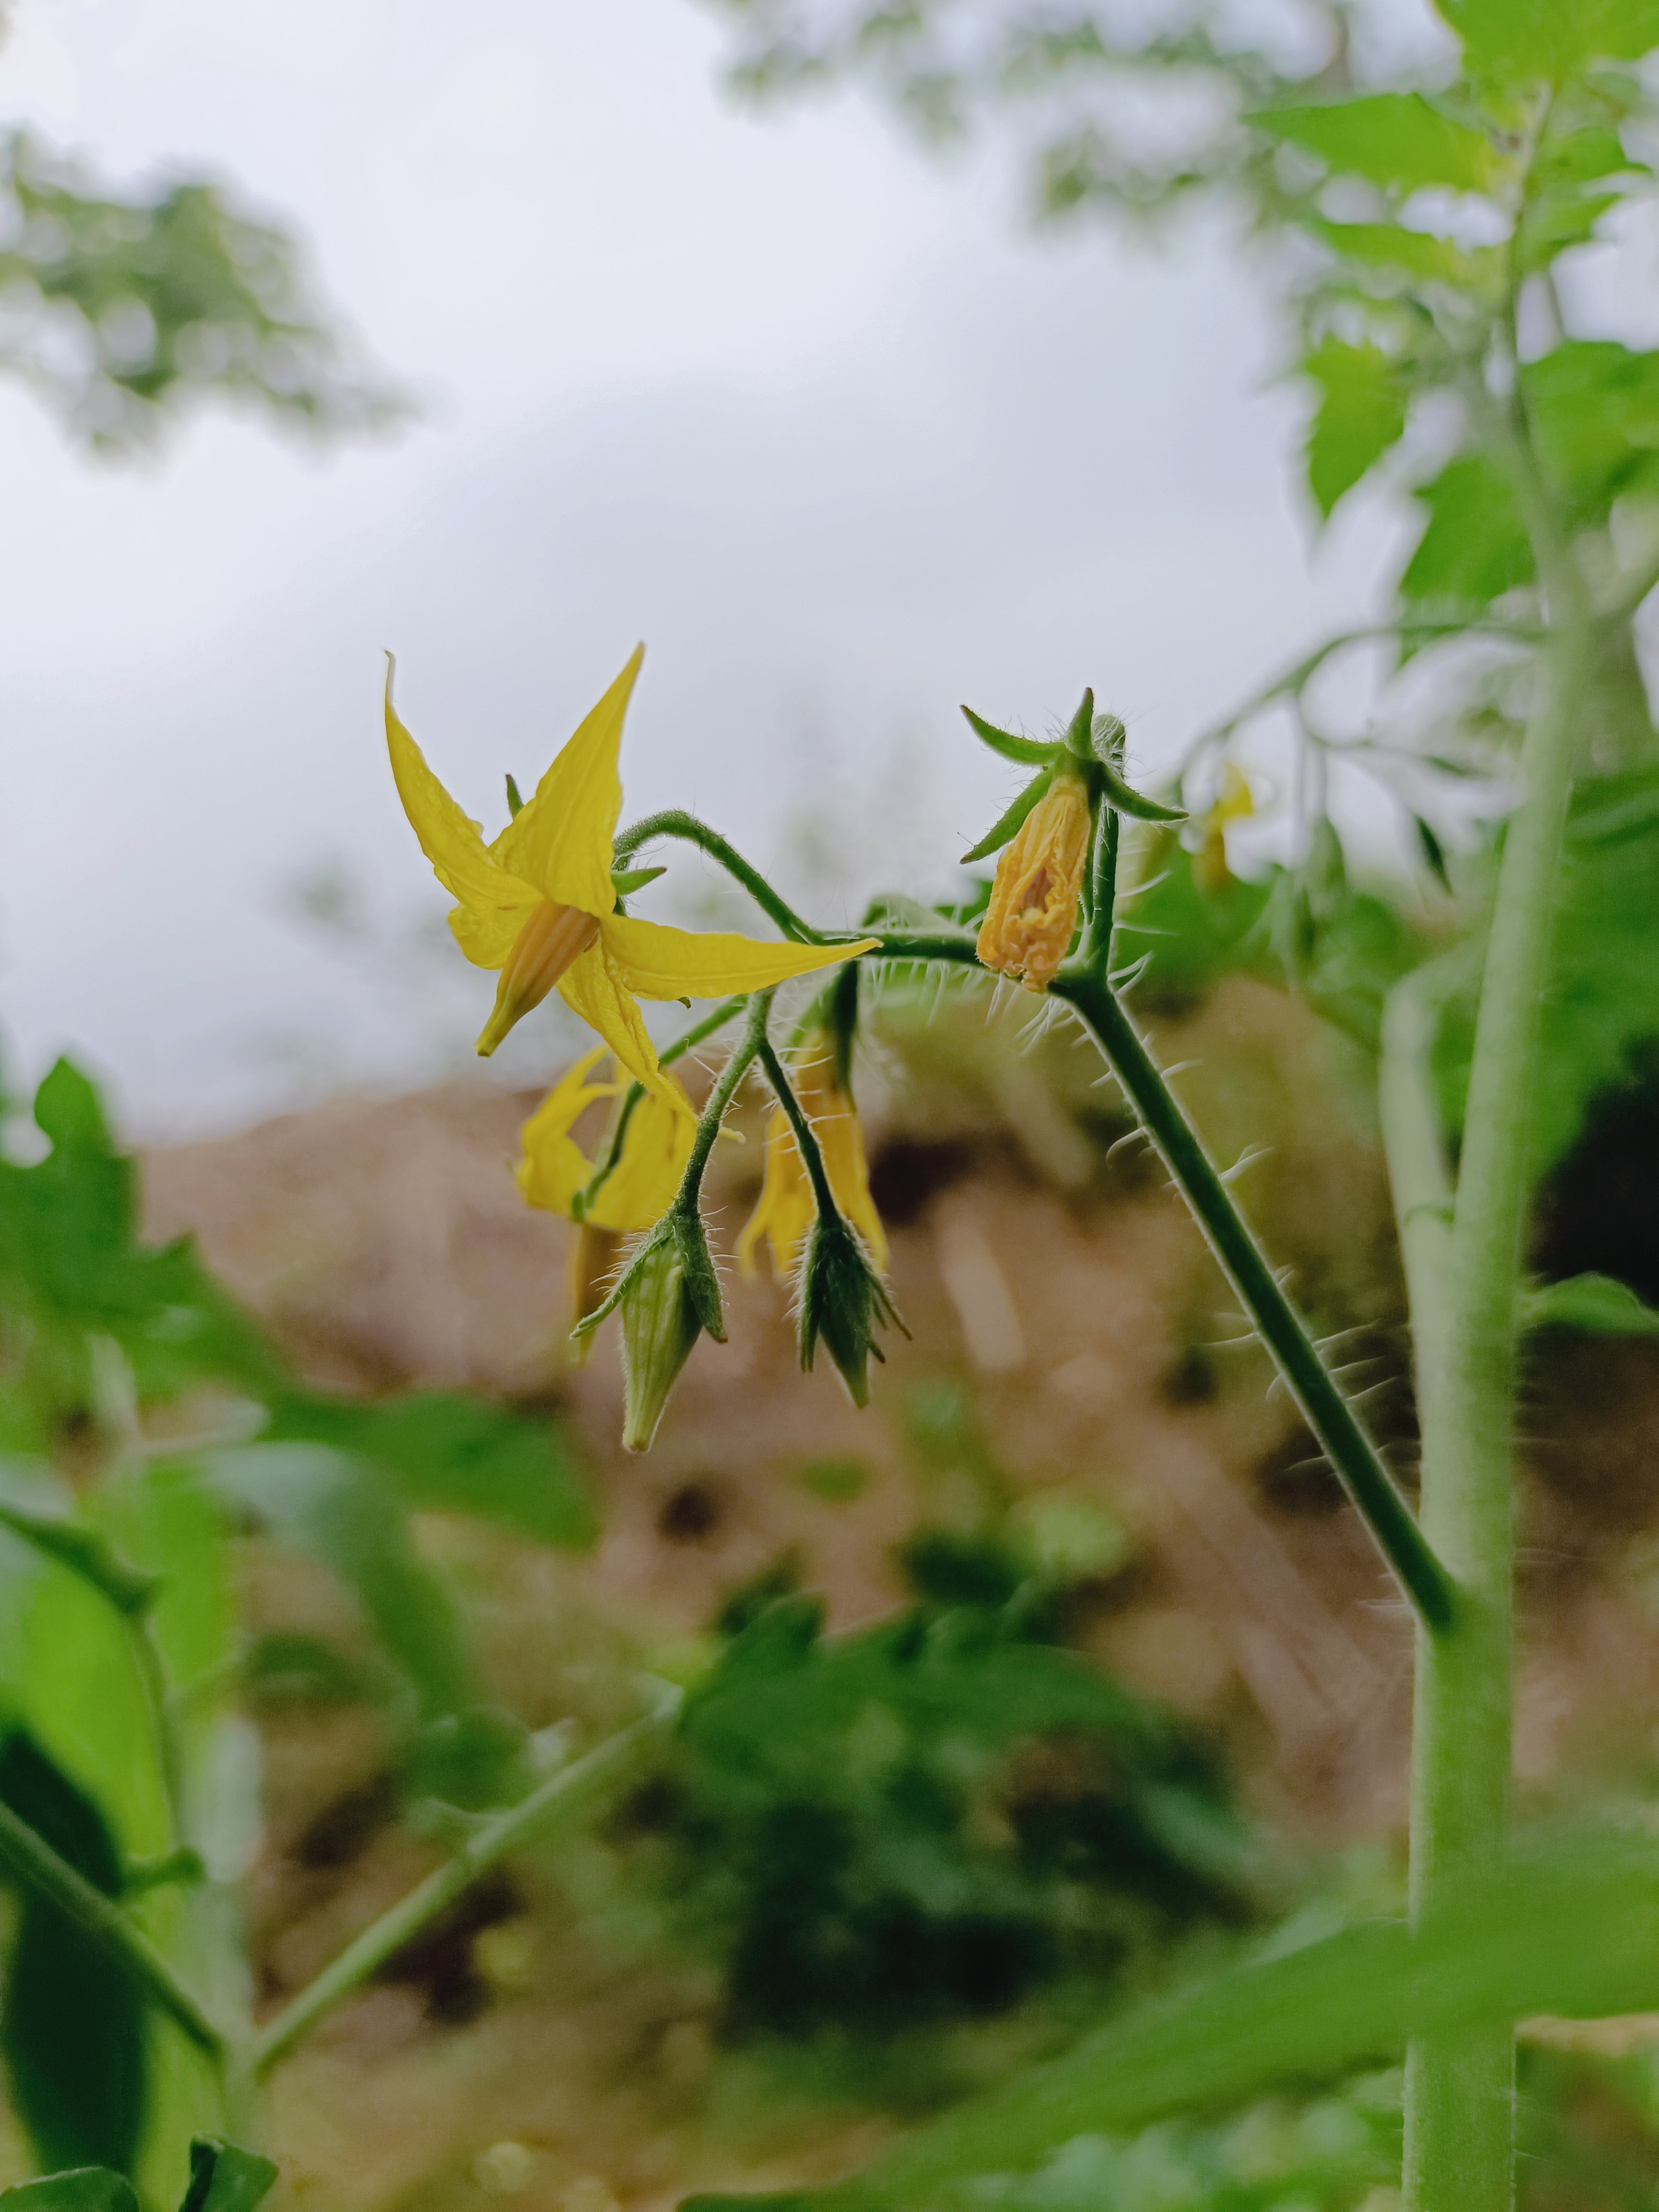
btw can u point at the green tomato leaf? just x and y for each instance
(84, 1553)
(73, 2034)
(447, 1453)
(1414, 253)
(1476, 547)
(1361, 414)
(1512, 40)
(1597, 1305)
(223, 2178)
(83, 2189)
(1396, 139)
(346, 1514)
(1569, 1929)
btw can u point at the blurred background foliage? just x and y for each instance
(124, 310)
(272, 1640)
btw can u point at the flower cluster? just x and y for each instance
(544, 906)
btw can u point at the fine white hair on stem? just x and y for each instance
(1125, 978)
(1246, 1159)
(1138, 890)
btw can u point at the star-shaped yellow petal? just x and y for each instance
(539, 904)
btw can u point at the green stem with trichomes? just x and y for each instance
(1339, 1432)
(1460, 2121)
(1338, 1428)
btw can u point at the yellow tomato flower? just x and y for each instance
(787, 1209)
(1034, 899)
(639, 1190)
(1234, 802)
(539, 904)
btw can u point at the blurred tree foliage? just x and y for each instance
(124, 310)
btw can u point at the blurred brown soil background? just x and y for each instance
(547, 2044)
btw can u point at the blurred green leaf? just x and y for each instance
(223, 2178)
(73, 2034)
(347, 1515)
(450, 1454)
(1603, 998)
(85, 1554)
(124, 310)
(1571, 1927)
(1398, 139)
(83, 2189)
(1361, 414)
(1547, 39)
(1599, 1305)
(73, 1270)
(1476, 547)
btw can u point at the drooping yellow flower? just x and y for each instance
(786, 1208)
(1234, 802)
(639, 1190)
(1034, 899)
(555, 1174)
(539, 904)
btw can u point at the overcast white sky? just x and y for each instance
(819, 421)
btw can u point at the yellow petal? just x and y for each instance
(593, 991)
(840, 1134)
(553, 1168)
(561, 841)
(660, 962)
(493, 901)
(786, 1209)
(640, 1187)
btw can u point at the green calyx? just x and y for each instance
(669, 1296)
(624, 880)
(1093, 745)
(1009, 825)
(842, 1302)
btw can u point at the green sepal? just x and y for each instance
(842, 1302)
(1010, 823)
(515, 803)
(1080, 730)
(624, 880)
(1029, 752)
(1124, 797)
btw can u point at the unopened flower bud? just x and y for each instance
(1032, 914)
(669, 1297)
(842, 1301)
(554, 937)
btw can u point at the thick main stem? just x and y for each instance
(1460, 2120)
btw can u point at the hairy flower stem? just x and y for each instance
(713, 1114)
(1459, 2119)
(1332, 1420)
(805, 1137)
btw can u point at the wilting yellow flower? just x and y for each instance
(554, 1173)
(1033, 910)
(787, 1209)
(539, 904)
(1234, 802)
